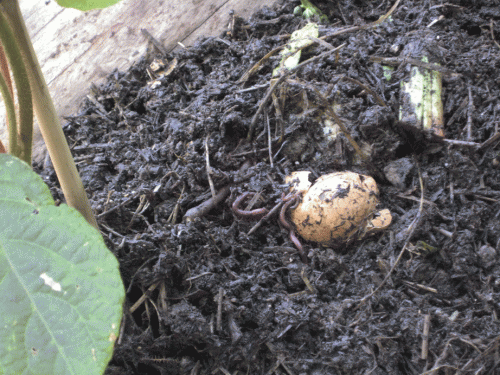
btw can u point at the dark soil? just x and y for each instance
(204, 297)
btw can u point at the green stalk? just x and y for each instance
(5, 75)
(48, 119)
(11, 115)
(23, 149)
(420, 101)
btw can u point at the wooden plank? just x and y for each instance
(76, 48)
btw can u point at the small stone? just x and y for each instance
(397, 171)
(488, 255)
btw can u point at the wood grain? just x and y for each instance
(77, 48)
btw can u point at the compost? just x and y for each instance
(165, 149)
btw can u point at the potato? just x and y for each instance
(338, 208)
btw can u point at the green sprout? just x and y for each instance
(307, 9)
(299, 40)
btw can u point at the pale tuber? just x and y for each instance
(338, 208)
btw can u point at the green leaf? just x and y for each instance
(388, 70)
(310, 10)
(86, 4)
(292, 51)
(60, 287)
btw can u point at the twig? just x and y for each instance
(198, 276)
(492, 34)
(173, 216)
(253, 88)
(264, 101)
(306, 281)
(425, 336)
(251, 203)
(437, 364)
(269, 214)
(143, 205)
(162, 297)
(321, 42)
(259, 63)
(124, 203)
(143, 297)
(432, 23)
(223, 41)
(352, 29)
(223, 370)
(252, 152)
(420, 286)
(470, 109)
(494, 138)
(278, 104)
(462, 143)
(366, 88)
(122, 329)
(444, 232)
(492, 346)
(205, 207)
(112, 231)
(412, 198)
(209, 170)
(446, 5)
(220, 298)
(269, 140)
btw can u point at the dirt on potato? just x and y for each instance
(155, 144)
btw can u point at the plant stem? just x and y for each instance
(11, 114)
(5, 73)
(19, 139)
(48, 119)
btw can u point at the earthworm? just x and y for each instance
(292, 200)
(299, 247)
(289, 196)
(247, 214)
(289, 201)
